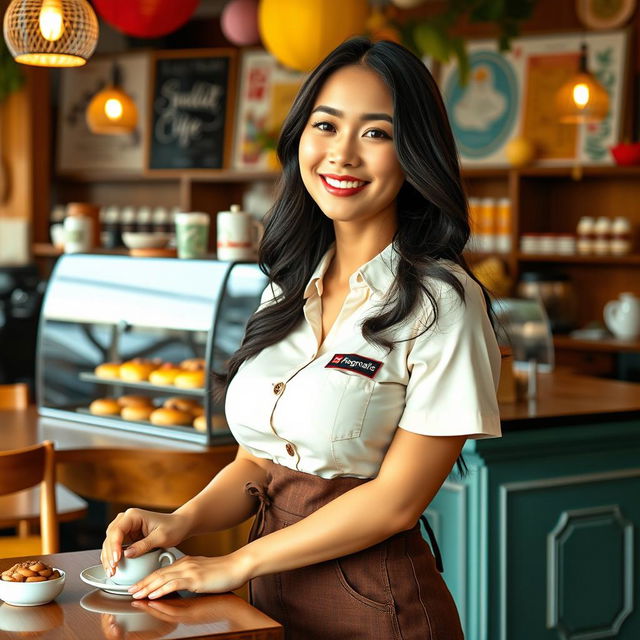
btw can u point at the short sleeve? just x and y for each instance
(454, 369)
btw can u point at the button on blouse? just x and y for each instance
(332, 409)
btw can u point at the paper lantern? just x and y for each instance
(146, 18)
(300, 34)
(239, 22)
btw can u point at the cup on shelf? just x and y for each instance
(192, 234)
(238, 235)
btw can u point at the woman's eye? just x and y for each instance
(323, 126)
(377, 133)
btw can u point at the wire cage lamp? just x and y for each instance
(51, 33)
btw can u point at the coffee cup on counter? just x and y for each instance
(192, 233)
(131, 570)
(238, 235)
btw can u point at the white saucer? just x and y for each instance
(96, 577)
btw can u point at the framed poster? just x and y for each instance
(512, 94)
(78, 149)
(191, 109)
(266, 93)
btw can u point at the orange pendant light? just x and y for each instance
(51, 33)
(112, 111)
(582, 99)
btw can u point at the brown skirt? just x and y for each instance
(391, 591)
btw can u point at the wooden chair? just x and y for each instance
(14, 396)
(22, 469)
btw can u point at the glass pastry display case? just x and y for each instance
(131, 343)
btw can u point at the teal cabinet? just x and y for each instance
(540, 540)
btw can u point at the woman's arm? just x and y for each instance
(222, 504)
(413, 470)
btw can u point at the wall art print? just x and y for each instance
(512, 94)
(266, 93)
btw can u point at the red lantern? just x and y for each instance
(146, 18)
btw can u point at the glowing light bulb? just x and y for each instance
(51, 20)
(113, 109)
(581, 95)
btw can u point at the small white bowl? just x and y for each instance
(31, 594)
(144, 240)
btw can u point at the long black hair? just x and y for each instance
(432, 215)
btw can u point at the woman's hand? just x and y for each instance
(197, 574)
(145, 530)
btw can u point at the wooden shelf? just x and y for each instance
(613, 261)
(591, 171)
(565, 171)
(603, 345)
(193, 175)
(44, 250)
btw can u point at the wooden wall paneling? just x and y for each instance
(165, 193)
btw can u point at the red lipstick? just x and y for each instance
(337, 191)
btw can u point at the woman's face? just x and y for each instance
(347, 157)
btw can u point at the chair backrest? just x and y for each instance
(25, 468)
(14, 396)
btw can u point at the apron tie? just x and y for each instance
(434, 543)
(253, 489)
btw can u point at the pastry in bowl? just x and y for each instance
(31, 583)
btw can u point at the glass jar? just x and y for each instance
(620, 236)
(586, 235)
(602, 233)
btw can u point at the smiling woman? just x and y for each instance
(348, 161)
(369, 363)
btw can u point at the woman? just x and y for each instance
(369, 362)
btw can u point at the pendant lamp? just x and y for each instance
(582, 99)
(111, 111)
(51, 33)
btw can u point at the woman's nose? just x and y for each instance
(344, 152)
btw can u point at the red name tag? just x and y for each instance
(356, 363)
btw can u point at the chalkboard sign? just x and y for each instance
(191, 111)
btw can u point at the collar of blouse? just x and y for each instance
(377, 274)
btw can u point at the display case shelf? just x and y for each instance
(141, 386)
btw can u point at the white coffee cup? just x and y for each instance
(238, 235)
(131, 570)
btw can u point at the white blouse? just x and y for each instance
(332, 409)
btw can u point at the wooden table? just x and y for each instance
(81, 612)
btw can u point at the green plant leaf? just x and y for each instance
(11, 77)
(432, 42)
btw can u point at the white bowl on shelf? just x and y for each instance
(145, 240)
(31, 594)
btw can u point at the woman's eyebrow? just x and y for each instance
(365, 116)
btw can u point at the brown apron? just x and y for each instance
(391, 591)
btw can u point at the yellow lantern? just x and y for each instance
(300, 34)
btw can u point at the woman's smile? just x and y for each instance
(342, 186)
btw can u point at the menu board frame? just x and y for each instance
(191, 111)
